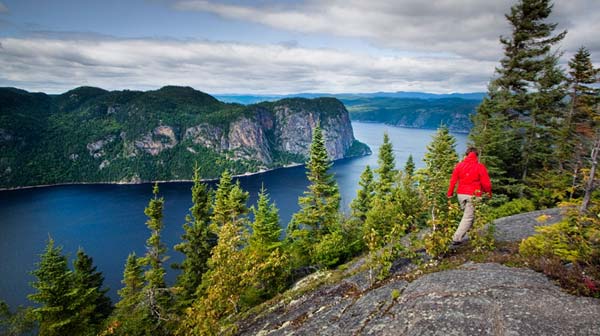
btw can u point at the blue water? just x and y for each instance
(108, 221)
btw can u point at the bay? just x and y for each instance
(108, 221)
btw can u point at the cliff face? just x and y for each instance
(92, 135)
(471, 299)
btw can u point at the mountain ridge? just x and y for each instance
(93, 135)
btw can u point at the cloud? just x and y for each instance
(468, 28)
(3, 8)
(56, 65)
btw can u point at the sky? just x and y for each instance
(268, 46)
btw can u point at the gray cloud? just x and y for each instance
(56, 65)
(468, 28)
(3, 8)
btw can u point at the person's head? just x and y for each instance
(471, 149)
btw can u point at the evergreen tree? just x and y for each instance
(264, 253)
(409, 167)
(131, 315)
(197, 242)
(96, 306)
(515, 121)
(319, 206)
(386, 170)
(228, 274)
(265, 227)
(361, 204)
(157, 295)
(58, 301)
(577, 133)
(220, 210)
(434, 179)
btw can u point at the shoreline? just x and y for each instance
(146, 182)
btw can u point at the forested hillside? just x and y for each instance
(92, 135)
(415, 112)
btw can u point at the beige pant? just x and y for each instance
(466, 203)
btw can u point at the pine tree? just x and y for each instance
(361, 204)
(96, 306)
(157, 294)
(265, 227)
(264, 253)
(131, 315)
(228, 275)
(409, 167)
(440, 160)
(197, 242)
(320, 204)
(386, 170)
(523, 101)
(58, 302)
(220, 210)
(577, 133)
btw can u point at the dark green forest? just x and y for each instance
(538, 133)
(92, 135)
(414, 112)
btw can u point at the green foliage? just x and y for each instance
(513, 207)
(318, 214)
(95, 305)
(361, 204)
(21, 322)
(265, 227)
(93, 135)
(331, 250)
(481, 234)
(515, 127)
(197, 242)
(229, 274)
(131, 315)
(414, 112)
(158, 296)
(386, 170)
(70, 302)
(576, 239)
(440, 160)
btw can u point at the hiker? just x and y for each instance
(473, 181)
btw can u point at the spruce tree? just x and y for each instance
(265, 227)
(409, 167)
(440, 160)
(220, 210)
(131, 315)
(320, 204)
(361, 204)
(157, 295)
(523, 100)
(96, 306)
(228, 275)
(55, 295)
(577, 134)
(264, 253)
(197, 242)
(386, 170)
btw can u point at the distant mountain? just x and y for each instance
(414, 112)
(252, 99)
(405, 109)
(93, 135)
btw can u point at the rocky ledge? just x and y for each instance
(474, 299)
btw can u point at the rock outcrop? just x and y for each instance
(161, 138)
(473, 299)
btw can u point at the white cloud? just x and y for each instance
(469, 28)
(56, 65)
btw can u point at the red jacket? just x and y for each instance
(472, 178)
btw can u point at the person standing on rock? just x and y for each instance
(473, 181)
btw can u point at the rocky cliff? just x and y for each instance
(469, 299)
(89, 135)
